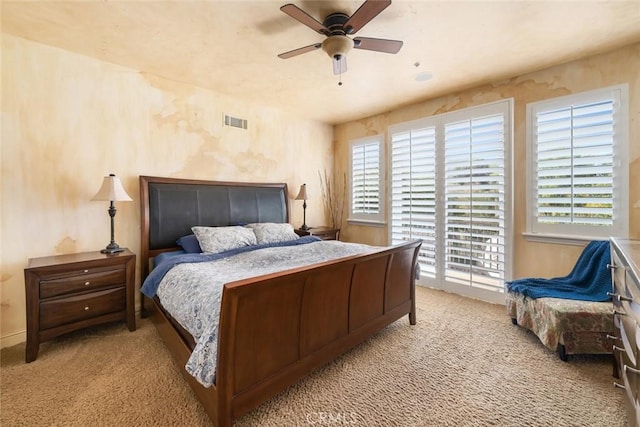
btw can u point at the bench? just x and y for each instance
(566, 326)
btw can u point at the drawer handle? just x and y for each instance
(630, 369)
(616, 348)
(612, 337)
(86, 308)
(86, 271)
(619, 297)
(615, 384)
(87, 283)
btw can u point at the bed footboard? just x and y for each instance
(277, 328)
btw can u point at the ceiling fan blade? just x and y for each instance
(300, 51)
(379, 45)
(300, 15)
(340, 65)
(365, 13)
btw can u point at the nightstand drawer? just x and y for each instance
(72, 309)
(80, 281)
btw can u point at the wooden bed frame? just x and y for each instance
(276, 328)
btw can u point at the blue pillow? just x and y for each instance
(190, 244)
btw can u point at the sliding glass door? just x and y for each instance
(451, 188)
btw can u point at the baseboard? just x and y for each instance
(489, 296)
(13, 339)
(21, 336)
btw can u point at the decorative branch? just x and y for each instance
(333, 198)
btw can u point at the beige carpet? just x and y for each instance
(463, 364)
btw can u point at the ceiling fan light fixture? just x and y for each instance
(337, 46)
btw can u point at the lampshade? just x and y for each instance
(111, 190)
(302, 194)
(337, 46)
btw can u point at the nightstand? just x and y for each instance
(69, 292)
(325, 233)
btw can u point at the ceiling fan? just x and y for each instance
(337, 27)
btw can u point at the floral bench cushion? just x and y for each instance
(580, 326)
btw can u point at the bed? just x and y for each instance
(274, 328)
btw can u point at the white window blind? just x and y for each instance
(413, 192)
(578, 184)
(474, 186)
(450, 187)
(366, 175)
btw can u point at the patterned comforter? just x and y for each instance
(192, 292)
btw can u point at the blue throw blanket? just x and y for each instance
(151, 283)
(590, 279)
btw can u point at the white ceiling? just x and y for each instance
(231, 47)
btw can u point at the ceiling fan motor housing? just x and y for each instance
(335, 23)
(337, 44)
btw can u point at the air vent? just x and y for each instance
(235, 122)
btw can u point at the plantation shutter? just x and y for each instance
(450, 187)
(574, 156)
(474, 182)
(413, 192)
(365, 178)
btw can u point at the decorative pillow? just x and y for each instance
(190, 244)
(271, 232)
(220, 239)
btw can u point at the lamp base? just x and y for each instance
(112, 248)
(304, 227)
(111, 251)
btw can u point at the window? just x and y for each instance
(366, 204)
(578, 167)
(451, 188)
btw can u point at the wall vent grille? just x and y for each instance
(235, 122)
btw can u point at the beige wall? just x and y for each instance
(530, 259)
(68, 120)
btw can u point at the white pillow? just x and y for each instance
(271, 232)
(219, 239)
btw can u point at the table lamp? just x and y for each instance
(111, 191)
(302, 195)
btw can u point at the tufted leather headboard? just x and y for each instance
(171, 206)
